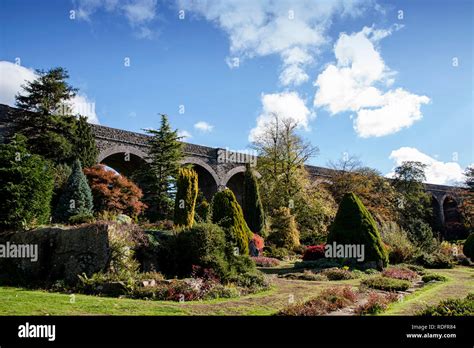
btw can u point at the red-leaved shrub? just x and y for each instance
(114, 193)
(258, 242)
(314, 252)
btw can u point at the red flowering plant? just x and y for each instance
(258, 242)
(314, 252)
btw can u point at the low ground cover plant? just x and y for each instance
(262, 261)
(433, 277)
(329, 300)
(376, 303)
(399, 273)
(451, 307)
(386, 284)
(306, 275)
(339, 274)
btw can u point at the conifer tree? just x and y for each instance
(227, 213)
(355, 225)
(76, 199)
(251, 204)
(186, 194)
(26, 186)
(284, 232)
(159, 177)
(85, 149)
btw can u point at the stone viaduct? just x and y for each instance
(124, 151)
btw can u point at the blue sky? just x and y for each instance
(386, 90)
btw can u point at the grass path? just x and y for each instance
(460, 283)
(17, 301)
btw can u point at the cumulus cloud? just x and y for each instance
(139, 13)
(437, 172)
(295, 30)
(184, 134)
(286, 105)
(13, 76)
(203, 126)
(356, 82)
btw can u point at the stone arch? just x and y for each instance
(236, 170)
(121, 149)
(123, 159)
(208, 181)
(454, 228)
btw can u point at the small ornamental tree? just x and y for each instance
(284, 232)
(26, 186)
(227, 213)
(355, 225)
(251, 204)
(186, 194)
(76, 198)
(114, 193)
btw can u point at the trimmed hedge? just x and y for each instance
(355, 225)
(386, 284)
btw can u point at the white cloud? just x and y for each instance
(295, 30)
(13, 76)
(437, 172)
(139, 13)
(355, 84)
(203, 126)
(287, 105)
(184, 134)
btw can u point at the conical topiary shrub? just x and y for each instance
(76, 199)
(284, 231)
(251, 204)
(355, 225)
(227, 213)
(186, 194)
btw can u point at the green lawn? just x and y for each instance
(17, 301)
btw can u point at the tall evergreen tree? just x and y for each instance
(251, 203)
(76, 199)
(26, 186)
(186, 194)
(46, 119)
(227, 213)
(85, 148)
(165, 154)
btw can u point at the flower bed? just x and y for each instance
(399, 273)
(262, 261)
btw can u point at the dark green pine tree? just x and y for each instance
(165, 154)
(85, 148)
(46, 119)
(355, 225)
(251, 203)
(76, 199)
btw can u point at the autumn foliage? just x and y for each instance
(113, 192)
